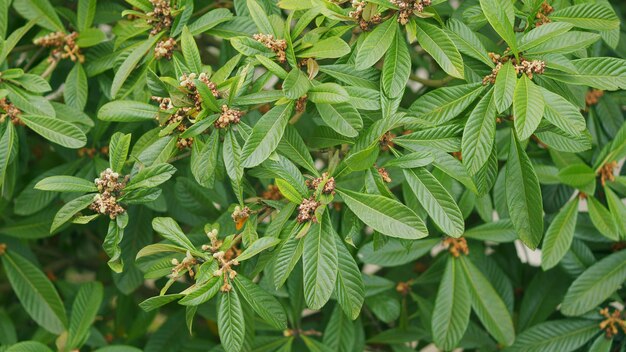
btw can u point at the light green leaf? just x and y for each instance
(505, 86)
(127, 111)
(385, 215)
(169, 229)
(395, 252)
(65, 184)
(259, 17)
(55, 130)
(487, 304)
(479, 133)
(328, 48)
(542, 34)
(75, 93)
(588, 16)
(563, 114)
(602, 219)
(559, 235)
(342, 118)
(376, 44)
(437, 43)
(501, 16)
(528, 107)
(595, 285)
(452, 307)
(606, 73)
(151, 176)
(118, 150)
(446, 103)
(85, 14)
(257, 247)
(396, 67)
(230, 321)
(190, 51)
(266, 135)
(36, 293)
(523, 195)
(41, 11)
(130, 63)
(296, 84)
(436, 200)
(319, 263)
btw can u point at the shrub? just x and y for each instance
(324, 175)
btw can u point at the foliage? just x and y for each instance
(324, 175)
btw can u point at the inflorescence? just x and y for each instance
(110, 187)
(64, 46)
(278, 46)
(528, 67)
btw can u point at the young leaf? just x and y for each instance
(296, 84)
(588, 16)
(169, 229)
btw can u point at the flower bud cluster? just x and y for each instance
(272, 193)
(593, 96)
(408, 7)
(165, 49)
(160, 17)
(542, 14)
(186, 264)
(187, 81)
(110, 188)
(329, 183)
(456, 246)
(278, 46)
(229, 116)
(384, 174)
(386, 141)
(365, 22)
(306, 210)
(11, 111)
(240, 216)
(612, 323)
(226, 260)
(528, 67)
(64, 46)
(607, 172)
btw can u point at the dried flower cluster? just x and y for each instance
(272, 193)
(165, 49)
(160, 17)
(278, 46)
(384, 174)
(386, 141)
(607, 172)
(64, 46)
(229, 116)
(11, 111)
(110, 187)
(542, 14)
(240, 216)
(328, 182)
(612, 323)
(456, 246)
(529, 67)
(186, 264)
(306, 210)
(301, 104)
(593, 96)
(408, 7)
(364, 19)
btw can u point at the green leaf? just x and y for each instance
(579, 176)
(528, 107)
(127, 111)
(556, 336)
(85, 14)
(595, 285)
(257, 247)
(349, 288)
(84, 310)
(436, 200)
(112, 240)
(155, 302)
(259, 17)
(342, 118)
(328, 48)
(151, 176)
(501, 16)
(505, 87)
(41, 11)
(523, 195)
(497, 231)
(339, 334)
(588, 16)
(319, 263)
(75, 93)
(452, 307)
(487, 304)
(28, 346)
(543, 33)
(617, 209)
(385, 215)
(169, 229)
(602, 219)
(563, 114)
(264, 304)
(203, 293)
(328, 93)
(190, 51)
(446, 103)
(204, 161)
(396, 68)
(55, 130)
(376, 44)
(266, 135)
(606, 73)
(437, 43)
(296, 84)
(69, 210)
(559, 235)
(467, 41)
(130, 63)
(287, 258)
(66, 184)
(230, 321)
(395, 252)
(118, 150)
(411, 160)
(565, 43)
(480, 133)
(288, 191)
(36, 293)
